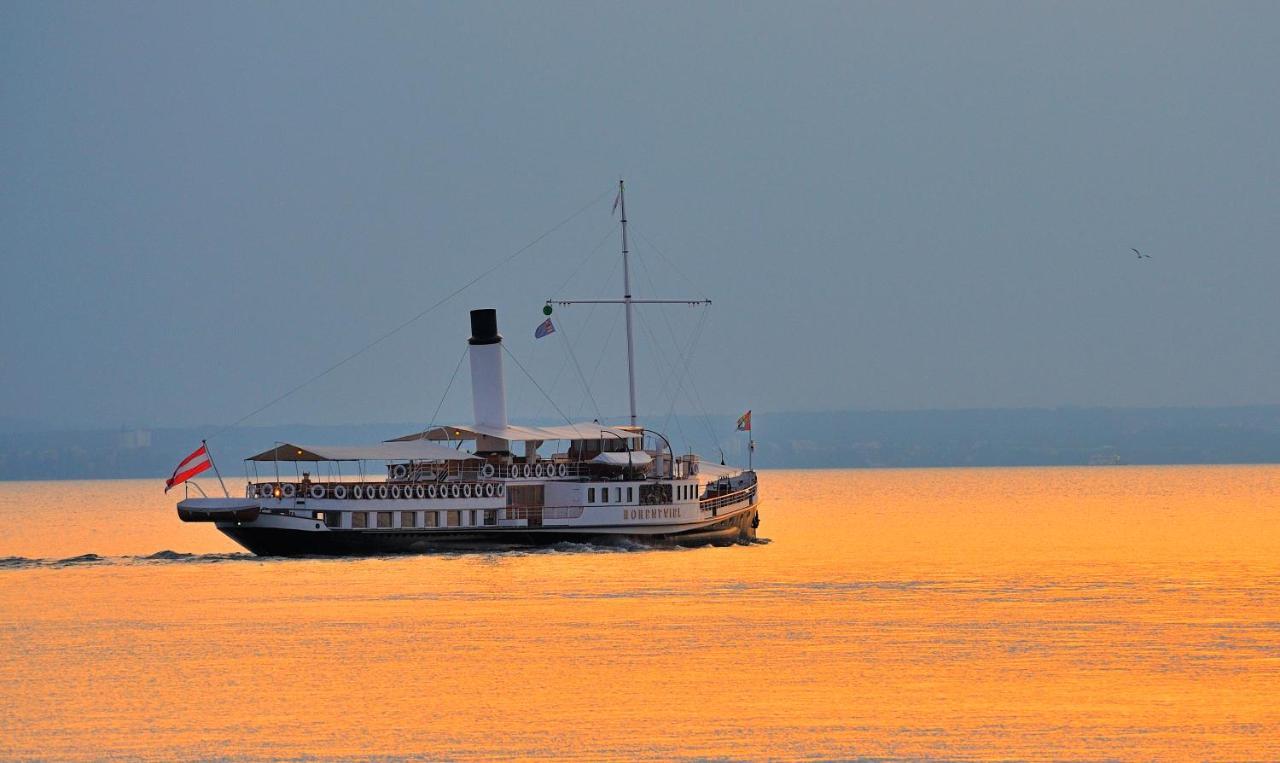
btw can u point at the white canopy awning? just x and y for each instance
(418, 450)
(716, 471)
(584, 431)
(634, 458)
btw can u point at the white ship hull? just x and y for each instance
(327, 527)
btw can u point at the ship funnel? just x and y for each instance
(488, 391)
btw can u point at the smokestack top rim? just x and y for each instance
(484, 327)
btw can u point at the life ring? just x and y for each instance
(399, 472)
(562, 470)
(317, 491)
(486, 470)
(339, 491)
(538, 471)
(456, 490)
(431, 490)
(420, 491)
(288, 490)
(383, 490)
(488, 489)
(466, 490)
(358, 492)
(502, 489)
(528, 470)
(395, 491)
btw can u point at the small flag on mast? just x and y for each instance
(616, 199)
(191, 466)
(544, 328)
(744, 422)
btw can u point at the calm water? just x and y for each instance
(1106, 612)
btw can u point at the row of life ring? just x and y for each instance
(400, 472)
(386, 491)
(539, 470)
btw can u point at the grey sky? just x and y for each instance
(893, 205)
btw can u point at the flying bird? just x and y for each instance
(1140, 254)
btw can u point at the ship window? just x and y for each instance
(454, 518)
(604, 495)
(359, 519)
(591, 495)
(491, 517)
(333, 519)
(384, 519)
(630, 494)
(429, 519)
(617, 495)
(408, 519)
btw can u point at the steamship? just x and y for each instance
(490, 483)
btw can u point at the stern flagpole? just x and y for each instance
(214, 464)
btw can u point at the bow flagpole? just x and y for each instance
(744, 425)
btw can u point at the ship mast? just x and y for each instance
(627, 302)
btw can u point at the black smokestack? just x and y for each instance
(484, 327)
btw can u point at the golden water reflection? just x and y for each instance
(986, 613)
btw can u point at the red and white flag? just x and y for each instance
(744, 422)
(191, 466)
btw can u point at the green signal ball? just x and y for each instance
(546, 309)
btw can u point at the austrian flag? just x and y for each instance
(191, 466)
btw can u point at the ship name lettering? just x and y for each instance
(669, 512)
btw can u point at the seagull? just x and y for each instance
(1140, 254)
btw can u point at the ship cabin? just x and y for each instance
(470, 461)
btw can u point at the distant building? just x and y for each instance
(133, 439)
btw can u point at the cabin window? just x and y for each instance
(384, 519)
(408, 519)
(617, 495)
(454, 518)
(591, 495)
(429, 519)
(332, 519)
(360, 519)
(491, 516)
(604, 495)
(631, 495)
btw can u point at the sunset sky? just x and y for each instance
(900, 205)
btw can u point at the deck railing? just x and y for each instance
(720, 501)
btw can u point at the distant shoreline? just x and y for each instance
(1242, 435)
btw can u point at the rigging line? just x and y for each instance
(675, 341)
(687, 374)
(516, 360)
(686, 359)
(448, 387)
(591, 311)
(585, 387)
(607, 235)
(696, 398)
(663, 388)
(613, 326)
(706, 418)
(664, 257)
(415, 318)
